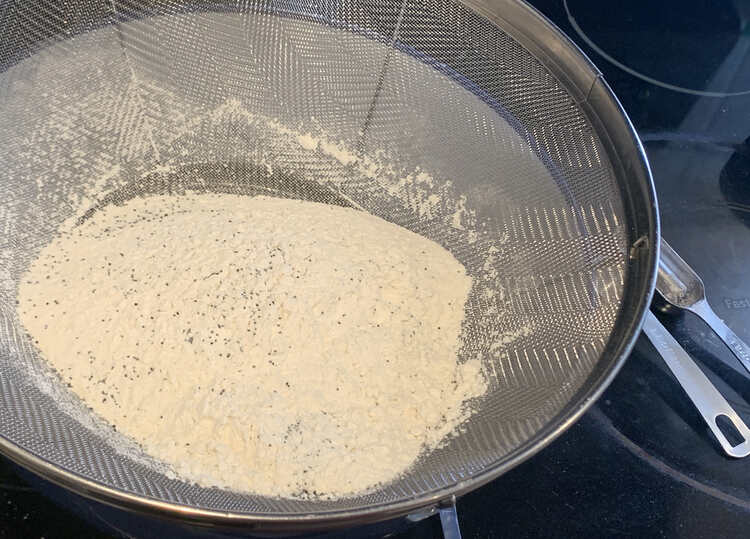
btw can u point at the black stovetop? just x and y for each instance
(640, 463)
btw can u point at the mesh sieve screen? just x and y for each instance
(425, 114)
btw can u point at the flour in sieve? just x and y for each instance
(268, 345)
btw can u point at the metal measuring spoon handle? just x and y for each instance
(678, 283)
(706, 398)
(735, 344)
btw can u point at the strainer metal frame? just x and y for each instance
(585, 84)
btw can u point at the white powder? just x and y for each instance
(96, 129)
(307, 141)
(275, 346)
(338, 152)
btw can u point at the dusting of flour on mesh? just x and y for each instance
(267, 345)
(70, 173)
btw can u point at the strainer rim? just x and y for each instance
(583, 81)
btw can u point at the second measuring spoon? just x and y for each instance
(679, 285)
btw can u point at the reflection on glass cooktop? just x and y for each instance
(641, 463)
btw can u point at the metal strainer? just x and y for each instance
(475, 124)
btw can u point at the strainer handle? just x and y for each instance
(710, 403)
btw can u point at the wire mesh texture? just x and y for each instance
(429, 116)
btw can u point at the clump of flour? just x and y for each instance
(268, 345)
